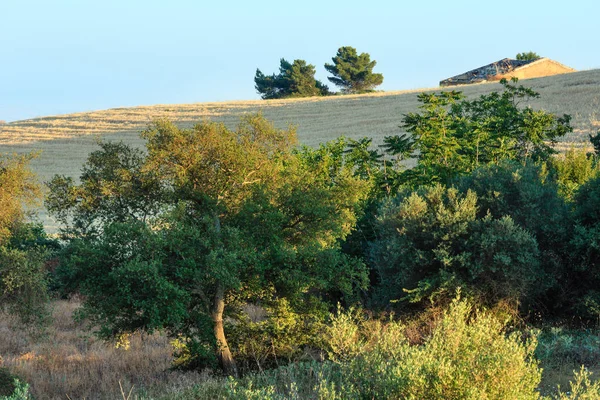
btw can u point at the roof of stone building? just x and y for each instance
(483, 73)
(498, 68)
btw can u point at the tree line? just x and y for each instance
(180, 236)
(352, 73)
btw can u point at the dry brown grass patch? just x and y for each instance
(67, 360)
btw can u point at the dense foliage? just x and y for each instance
(431, 242)
(24, 247)
(454, 136)
(238, 244)
(294, 80)
(467, 356)
(226, 215)
(527, 56)
(353, 72)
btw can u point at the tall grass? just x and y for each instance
(67, 360)
(464, 354)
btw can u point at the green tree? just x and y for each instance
(114, 187)
(528, 56)
(453, 136)
(431, 242)
(294, 80)
(23, 250)
(353, 72)
(242, 216)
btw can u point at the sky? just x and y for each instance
(63, 56)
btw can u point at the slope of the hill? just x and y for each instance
(66, 140)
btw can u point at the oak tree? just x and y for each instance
(240, 213)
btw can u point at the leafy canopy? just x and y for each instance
(234, 214)
(430, 242)
(23, 246)
(294, 80)
(18, 188)
(353, 72)
(453, 136)
(527, 56)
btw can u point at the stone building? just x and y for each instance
(508, 68)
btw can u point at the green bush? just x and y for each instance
(469, 356)
(7, 380)
(11, 387)
(525, 193)
(431, 242)
(585, 247)
(572, 170)
(283, 335)
(23, 284)
(418, 234)
(581, 388)
(557, 346)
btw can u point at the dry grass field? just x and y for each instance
(68, 361)
(65, 140)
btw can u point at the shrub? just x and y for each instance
(7, 380)
(581, 388)
(572, 170)
(469, 356)
(11, 387)
(526, 194)
(417, 237)
(283, 335)
(523, 192)
(585, 246)
(557, 346)
(431, 242)
(23, 284)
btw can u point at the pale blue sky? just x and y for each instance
(65, 56)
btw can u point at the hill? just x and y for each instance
(66, 140)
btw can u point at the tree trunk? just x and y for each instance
(223, 353)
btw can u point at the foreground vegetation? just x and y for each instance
(366, 358)
(237, 245)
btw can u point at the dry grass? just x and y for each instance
(66, 140)
(68, 361)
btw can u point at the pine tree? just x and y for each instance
(293, 80)
(353, 73)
